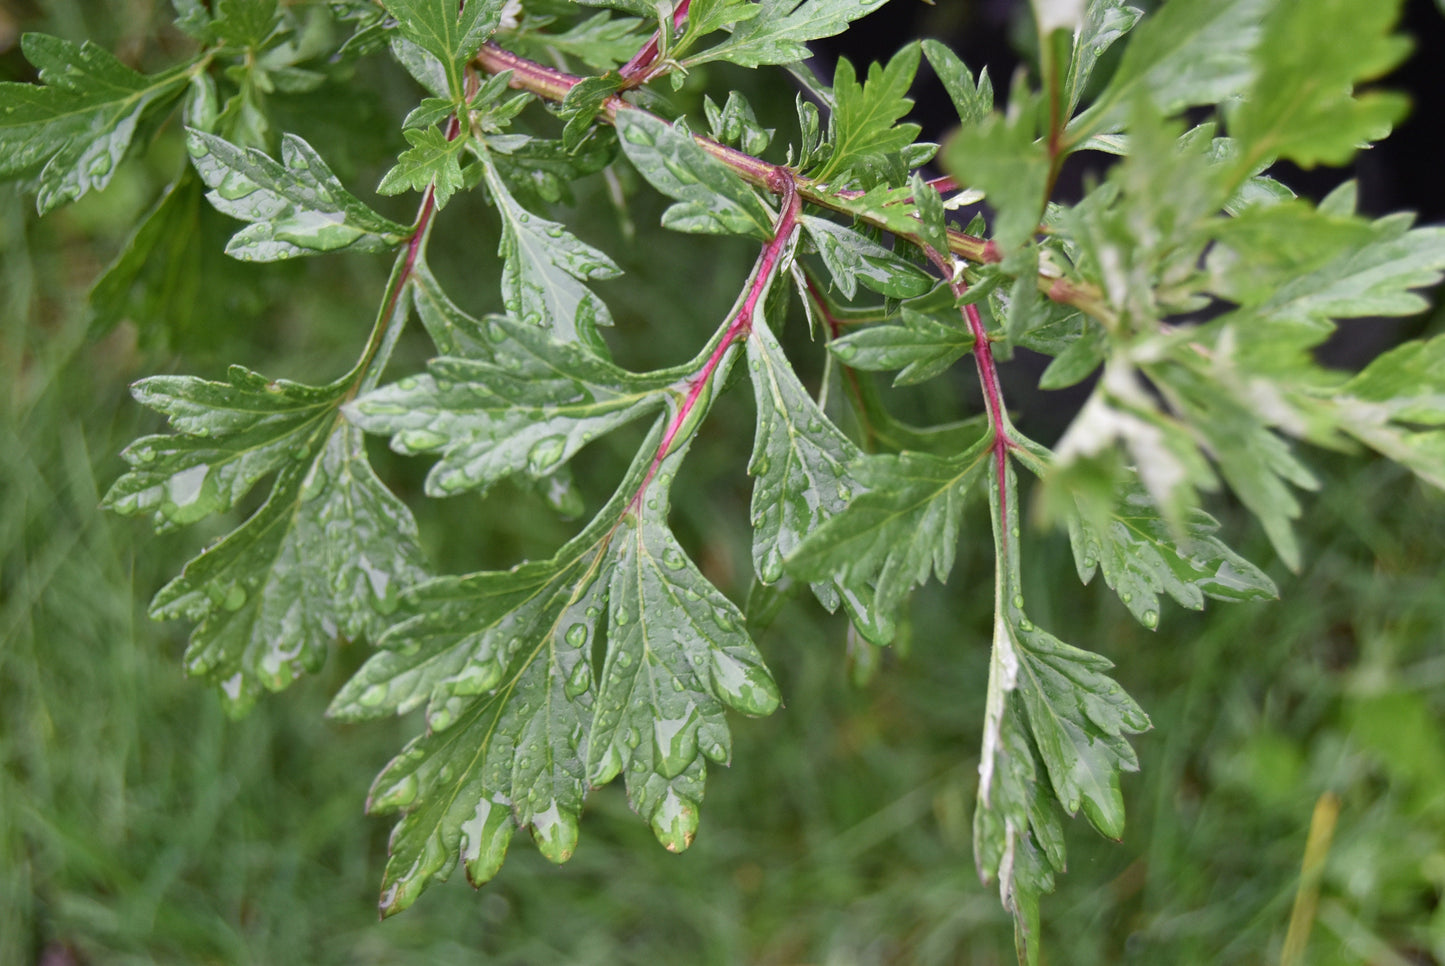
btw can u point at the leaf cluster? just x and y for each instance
(1192, 283)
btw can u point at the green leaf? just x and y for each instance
(519, 717)
(601, 42)
(227, 436)
(711, 198)
(1301, 104)
(1142, 557)
(1402, 387)
(1078, 360)
(864, 122)
(1294, 265)
(324, 557)
(735, 123)
(449, 31)
(705, 16)
(527, 410)
(893, 536)
(432, 160)
(582, 104)
(452, 331)
(1104, 22)
(1002, 157)
(295, 207)
(922, 349)
(1076, 719)
(244, 23)
(1254, 460)
(676, 654)
(972, 100)
(852, 257)
(70, 132)
(782, 28)
(543, 269)
(156, 280)
(800, 464)
(1186, 52)
(495, 755)
(539, 171)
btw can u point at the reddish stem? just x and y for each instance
(739, 327)
(528, 75)
(987, 377)
(635, 71)
(424, 216)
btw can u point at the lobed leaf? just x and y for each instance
(449, 31)
(71, 131)
(1142, 557)
(800, 463)
(519, 719)
(922, 349)
(1301, 104)
(852, 257)
(543, 269)
(528, 409)
(893, 536)
(295, 207)
(325, 556)
(711, 198)
(1052, 712)
(228, 435)
(864, 121)
(780, 31)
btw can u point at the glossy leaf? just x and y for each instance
(972, 99)
(1141, 557)
(852, 258)
(1076, 720)
(71, 131)
(778, 34)
(892, 537)
(449, 31)
(864, 121)
(227, 436)
(543, 270)
(325, 556)
(711, 198)
(527, 410)
(676, 655)
(800, 463)
(295, 206)
(922, 349)
(432, 160)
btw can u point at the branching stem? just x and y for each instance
(637, 71)
(553, 85)
(740, 325)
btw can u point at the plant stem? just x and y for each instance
(636, 71)
(406, 266)
(998, 420)
(553, 85)
(741, 324)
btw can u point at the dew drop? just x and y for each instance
(579, 680)
(1151, 619)
(235, 598)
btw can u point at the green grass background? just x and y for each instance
(139, 825)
